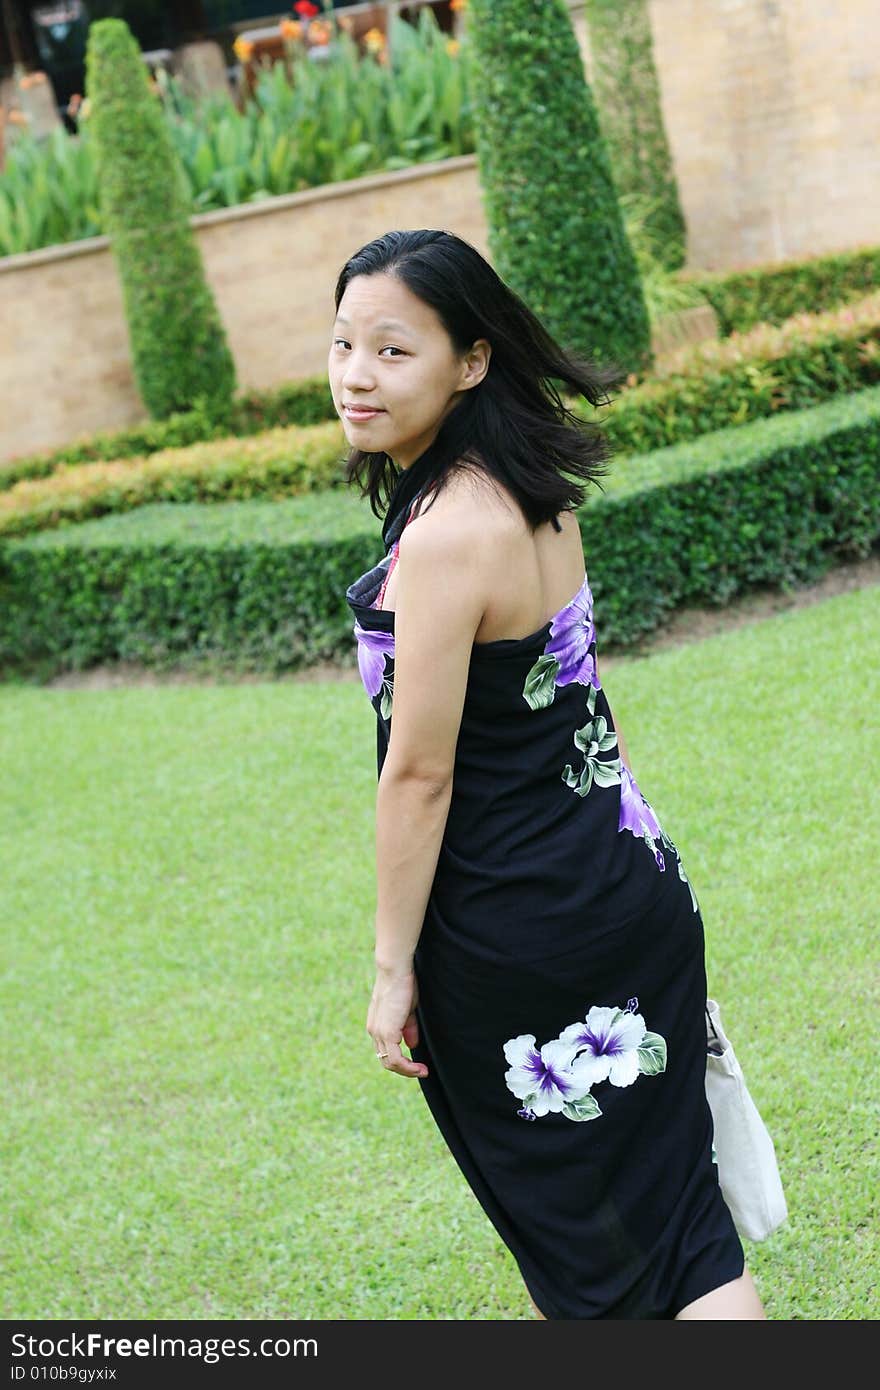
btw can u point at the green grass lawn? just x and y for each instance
(195, 1125)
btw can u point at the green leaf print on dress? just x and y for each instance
(585, 1108)
(540, 684)
(594, 738)
(681, 872)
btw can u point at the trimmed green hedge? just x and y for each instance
(273, 465)
(261, 586)
(770, 371)
(772, 293)
(771, 504)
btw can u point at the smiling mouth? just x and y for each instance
(361, 412)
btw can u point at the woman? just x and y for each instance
(539, 949)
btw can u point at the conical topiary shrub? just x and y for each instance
(624, 79)
(556, 232)
(178, 342)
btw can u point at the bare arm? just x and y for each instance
(411, 816)
(434, 632)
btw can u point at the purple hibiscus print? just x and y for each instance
(566, 657)
(372, 649)
(637, 816)
(572, 633)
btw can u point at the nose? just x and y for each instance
(357, 375)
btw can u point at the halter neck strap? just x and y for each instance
(409, 483)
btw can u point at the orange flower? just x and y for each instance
(374, 40)
(16, 117)
(458, 4)
(319, 33)
(290, 29)
(243, 49)
(452, 47)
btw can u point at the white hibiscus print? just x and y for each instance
(609, 1044)
(610, 1041)
(541, 1078)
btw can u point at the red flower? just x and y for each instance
(305, 9)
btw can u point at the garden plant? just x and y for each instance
(179, 350)
(556, 231)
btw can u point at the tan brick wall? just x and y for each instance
(65, 369)
(65, 366)
(274, 278)
(772, 108)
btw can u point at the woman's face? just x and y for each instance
(390, 352)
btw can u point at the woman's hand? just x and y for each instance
(392, 1016)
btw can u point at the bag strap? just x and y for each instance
(711, 1024)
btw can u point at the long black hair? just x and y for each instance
(513, 424)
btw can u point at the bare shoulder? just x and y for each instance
(472, 508)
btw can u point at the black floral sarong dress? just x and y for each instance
(561, 978)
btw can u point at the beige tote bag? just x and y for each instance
(747, 1170)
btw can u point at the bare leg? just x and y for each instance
(736, 1300)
